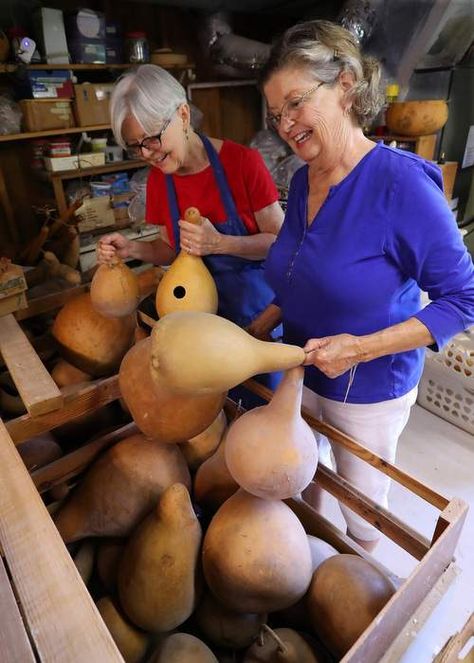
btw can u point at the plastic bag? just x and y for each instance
(271, 147)
(137, 207)
(10, 115)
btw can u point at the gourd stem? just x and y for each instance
(278, 640)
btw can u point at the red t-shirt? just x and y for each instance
(250, 183)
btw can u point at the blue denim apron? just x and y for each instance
(241, 286)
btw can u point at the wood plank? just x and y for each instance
(362, 452)
(73, 463)
(376, 639)
(63, 620)
(35, 385)
(381, 518)
(78, 400)
(14, 643)
(74, 173)
(452, 649)
(6, 138)
(48, 303)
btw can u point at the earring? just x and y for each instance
(347, 111)
(186, 132)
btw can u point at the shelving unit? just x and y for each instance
(424, 146)
(52, 132)
(9, 68)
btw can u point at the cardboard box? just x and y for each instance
(86, 160)
(91, 103)
(44, 114)
(12, 288)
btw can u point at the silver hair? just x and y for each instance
(150, 94)
(326, 49)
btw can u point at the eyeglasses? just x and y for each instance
(149, 142)
(291, 106)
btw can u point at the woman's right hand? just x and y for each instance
(112, 245)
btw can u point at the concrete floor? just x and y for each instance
(442, 457)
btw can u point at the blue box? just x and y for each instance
(44, 84)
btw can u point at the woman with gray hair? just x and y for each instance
(227, 182)
(367, 227)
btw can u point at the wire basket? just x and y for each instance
(447, 384)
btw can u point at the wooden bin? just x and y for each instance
(57, 620)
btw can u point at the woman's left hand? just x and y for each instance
(199, 240)
(333, 355)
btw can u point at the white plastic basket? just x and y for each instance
(447, 384)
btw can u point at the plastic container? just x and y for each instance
(447, 384)
(99, 144)
(137, 49)
(99, 189)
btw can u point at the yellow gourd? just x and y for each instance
(201, 447)
(201, 353)
(158, 572)
(114, 289)
(187, 285)
(256, 555)
(158, 412)
(271, 451)
(213, 483)
(131, 642)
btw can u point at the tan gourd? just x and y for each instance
(183, 648)
(158, 573)
(225, 628)
(167, 416)
(417, 118)
(131, 642)
(108, 557)
(65, 374)
(84, 560)
(213, 483)
(121, 488)
(256, 556)
(281, 645)
(39, 451)
(203, 446)
(187, 285)
(89, 340)
(346, 594)
(271, 451)
(202, 353)
(320, 551)
(114, 289)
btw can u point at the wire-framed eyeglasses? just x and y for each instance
(149, 142)
(290, 106)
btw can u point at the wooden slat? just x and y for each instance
(68, 466)
(49, 302)
(362, 452)
(35, 385)
(62, 618)
(78, 400)
(14, 643)
(452, 649)
(376, 639)
(373, 513)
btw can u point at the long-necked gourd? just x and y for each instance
(202, 353)
(188, 284)
(114, 289)
(271, 451)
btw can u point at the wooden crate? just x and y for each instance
(57, 618)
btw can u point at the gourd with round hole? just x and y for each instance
(131, 642)
(114, 289)
(271, 451)
(89, 340)
(188, 284)
(121, 488)
(213, 483)
(256, 556)
(168, 417)
(346, 594)
(182, 648)
(201, 353)
(225, 628)
(281, 645)
(201, 447)
(158, 579)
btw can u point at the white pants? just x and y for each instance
(378, 427)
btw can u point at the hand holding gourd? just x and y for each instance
(199, 239)
(333, 355)
(111, 246)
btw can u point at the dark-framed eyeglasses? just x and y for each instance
(149, 142)
(293, 105)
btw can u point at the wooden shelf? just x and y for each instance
(97, 170)
(7, 68)
(52, 132)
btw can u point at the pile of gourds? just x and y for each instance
(197, 557)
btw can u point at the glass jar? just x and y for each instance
(137, 49)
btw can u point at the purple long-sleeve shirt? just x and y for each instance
(382, 234)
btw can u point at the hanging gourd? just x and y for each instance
(271, 451)
(201, 353)
(187, 284)
(114, 289)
